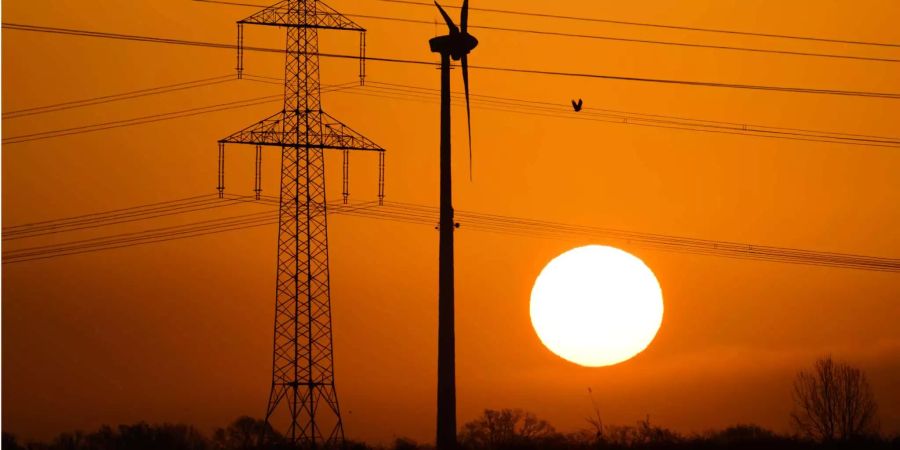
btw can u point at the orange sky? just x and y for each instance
(181, 331)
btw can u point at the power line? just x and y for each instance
(529, 227)
(129, 37)
(625, 120)
(140, 238)
(421, 214)
(605, 37)
(155, 117)
(649, 41)
(790, 89)
(139, 120)
(505, 104)
(155, 235)
(176, 207)
(427, 215)
(104, 215)
(262, 80)
(693, 83)
(130, 209)
(118, 97)
(221, 2)
(498, 223)
(614, 111)
(103, 99)
(546, 109)
(652, 25)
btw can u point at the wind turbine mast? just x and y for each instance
(457, 46)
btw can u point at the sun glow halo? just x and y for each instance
(596, 305)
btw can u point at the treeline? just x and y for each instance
(518, 430)
(245, 433)
(506, 429)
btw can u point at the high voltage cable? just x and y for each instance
(790, 89)
(505, 223)
(637, 119)
(131, 209)
(604, 37)
(504, 104)
(421, 214)
(426, 215)
(139, 120)
(103, 99)
(222, 2)
(512, 225)
(133, 239)
(162, 234)
(77, 220)
(173, 208)
(545, 109)
(647, 41)
(888, 95)
(155, 117)
(118, 97)
(262, 80)
(653, 25)
(686, 127)
(614, 111)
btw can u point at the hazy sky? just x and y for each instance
(181, 331)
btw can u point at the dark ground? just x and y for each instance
(245, 433)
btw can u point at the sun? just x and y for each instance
(596, 305)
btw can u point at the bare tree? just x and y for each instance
(596, 421)
(833, 402)
(246, 433)
(642, 435)
(506, 428)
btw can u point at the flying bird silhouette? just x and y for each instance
(577, 106)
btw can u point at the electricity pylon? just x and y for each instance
(457, 46)
(302, 360)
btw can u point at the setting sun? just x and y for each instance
(596, 305)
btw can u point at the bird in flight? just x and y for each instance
(577, 105)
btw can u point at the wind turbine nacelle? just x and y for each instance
(456, 45)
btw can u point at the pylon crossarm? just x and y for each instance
(334, 135)
(265, 132)
(281, 15)
(337, 135)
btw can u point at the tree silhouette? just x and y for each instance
(403, 443)
(139, 436)
(506, 428)
(246, 433)
(744, 435)
(10, 442)
(70, 441)
(596, 422)
(642, 435)
(833, 402)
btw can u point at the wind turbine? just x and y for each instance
(456, 45)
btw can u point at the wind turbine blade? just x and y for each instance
(464, 16)
(452, 26)
(465, 71)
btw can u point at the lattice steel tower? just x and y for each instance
(302, 366)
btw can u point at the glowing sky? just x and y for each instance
(181, 331)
